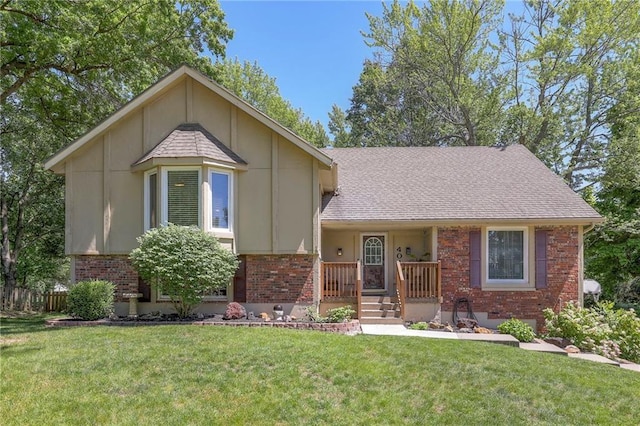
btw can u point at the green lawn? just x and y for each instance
(226, 375)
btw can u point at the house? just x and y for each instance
(399, 233)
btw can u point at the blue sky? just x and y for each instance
(314, 49)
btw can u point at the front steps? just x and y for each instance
(380, 310)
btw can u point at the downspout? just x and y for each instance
(581, 275)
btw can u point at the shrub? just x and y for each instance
(419, 326)
(342, 314)
(184, 263)
(602, 329)
(313, 315)
(90, 300)
(518, 329)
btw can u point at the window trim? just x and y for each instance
(164, 192)
(521, 283)
(222, 232)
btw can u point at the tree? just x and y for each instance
(338, 127)
(434, 79)
(569, 65)
(65, 66)
(251, 83)
(613, 248)
(184, 263)
(446, 74)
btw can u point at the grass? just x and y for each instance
(226, 375)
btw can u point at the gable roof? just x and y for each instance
(191, 140)
(444, 184)
(183, 72)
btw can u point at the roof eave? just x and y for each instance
(324, 159)
(412, 223)
(54, 162)
(186, 161)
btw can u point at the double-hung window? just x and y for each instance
(181, 196)
(507, 255)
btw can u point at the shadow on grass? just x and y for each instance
(12, 323)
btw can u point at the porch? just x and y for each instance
(416, 291)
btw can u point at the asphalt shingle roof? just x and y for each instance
(432, 183)
(192, 140)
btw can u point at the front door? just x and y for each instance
(373, 263)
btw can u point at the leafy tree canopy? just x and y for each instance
(65, 66)
(461, 73)
(251, 83)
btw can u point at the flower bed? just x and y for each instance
(351, 327)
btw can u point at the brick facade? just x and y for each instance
(562, 276)
(269, 279)
(114, 268)
(280, 278)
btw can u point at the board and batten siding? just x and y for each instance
(275, 202)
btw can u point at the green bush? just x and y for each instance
(185, 263)
(518, 329)
(312, 315)
(90, 300)
(419, 326)
(601, 329)
(342, 314)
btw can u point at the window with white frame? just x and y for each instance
(151, 200)
(177, 198)
(220, 183)
(507, 254)
(182, 200)
(218, 294)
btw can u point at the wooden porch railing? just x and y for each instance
(341, 280)
(359, 289)
(422, 280)
(401, 289)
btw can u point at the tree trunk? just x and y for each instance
(8, 261)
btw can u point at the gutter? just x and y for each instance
(589, 228)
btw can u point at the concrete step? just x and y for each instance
(380, 313)
(377, 320)
(378, 299)
(383, 306)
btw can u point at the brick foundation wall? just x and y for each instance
(280, 278)
(114, 268)
(270, 278)
(562, 276)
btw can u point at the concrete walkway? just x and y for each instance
(505, 339)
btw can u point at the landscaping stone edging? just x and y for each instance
(351, 327)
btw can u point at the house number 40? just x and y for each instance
(399, 253)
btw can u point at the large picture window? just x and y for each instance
(507, 255)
